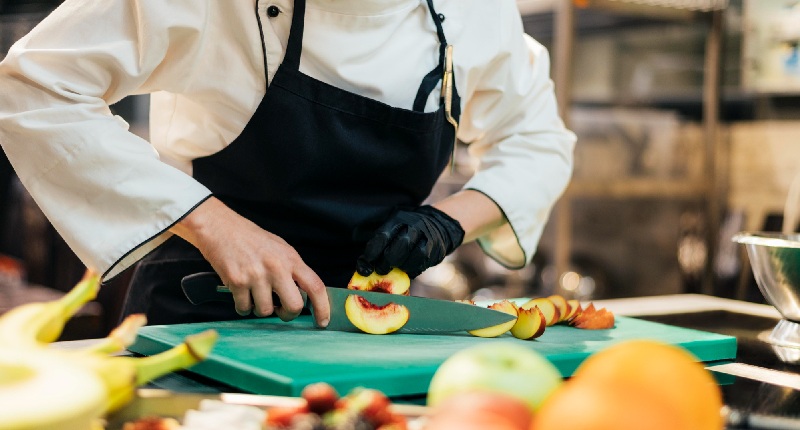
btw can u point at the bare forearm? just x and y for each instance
(476, 212)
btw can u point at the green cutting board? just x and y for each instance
(268, 356)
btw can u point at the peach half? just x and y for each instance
(374, 319)
(548, 308)
(394, 282)
(530, 324)
(496, 330)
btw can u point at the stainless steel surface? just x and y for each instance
(426, 315)
(786, 334)
(775, 260)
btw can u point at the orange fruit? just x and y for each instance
(593, 405)
(668, 371)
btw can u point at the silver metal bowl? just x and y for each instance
(775, 259)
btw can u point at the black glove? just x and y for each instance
(411, 240)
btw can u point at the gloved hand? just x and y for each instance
(411, 240)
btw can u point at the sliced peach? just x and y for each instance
(466, 302)
(561, 304)
(599, 320)
(530, 323)
(496, 330)
(394, 282)
(584, 314)
(548, 308)
(574, 309)
(374, 319)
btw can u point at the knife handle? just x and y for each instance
(206, 287)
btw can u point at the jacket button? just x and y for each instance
(273, 11)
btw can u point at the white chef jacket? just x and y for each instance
(113, 196)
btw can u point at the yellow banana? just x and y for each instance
(39, 390)
(34, 323)
(45, 388)
(121, 375)
(121, 337)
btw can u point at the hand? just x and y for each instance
(411, 240)
(253, 263)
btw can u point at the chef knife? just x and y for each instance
(426, 315)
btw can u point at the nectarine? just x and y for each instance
(394, 282)
(374, 319)
(496, 330)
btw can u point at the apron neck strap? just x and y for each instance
(433, 77)
(295, 45)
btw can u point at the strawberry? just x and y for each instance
(321, 397)
(282, 416)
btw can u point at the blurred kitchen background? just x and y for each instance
(688, 119)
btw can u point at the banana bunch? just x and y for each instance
(46, 388)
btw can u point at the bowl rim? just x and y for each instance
(771, 239)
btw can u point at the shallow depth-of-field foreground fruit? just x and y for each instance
(504, 367)
(633, 385)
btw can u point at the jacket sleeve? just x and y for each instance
(524, 150)
(103, 188)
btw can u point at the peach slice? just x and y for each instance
(548, 308)
(466, 301)
(574, 309)
(374, 319)
(530, 323)
(496, 330)
(585, 313)
(561, 304)
(596, 320)
(394, 282)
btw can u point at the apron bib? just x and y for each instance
(316, 165)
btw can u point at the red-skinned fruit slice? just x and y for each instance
(496, 330)
(574, 309)
(599, 320)
(548, 308)
(374, 319)
(561, 304)
(584, 314)
(530, 324)
(394, 282)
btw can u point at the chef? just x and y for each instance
(291, 142)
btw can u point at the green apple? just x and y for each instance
(504, 367)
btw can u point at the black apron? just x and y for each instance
(316, 165)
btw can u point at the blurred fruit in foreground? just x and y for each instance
(663, 373)
(480, 410)
(361, 408)
(594, 405)
(505, 367)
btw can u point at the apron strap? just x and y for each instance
(433, 77)
(295, 45)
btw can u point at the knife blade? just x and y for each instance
(426, 315)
